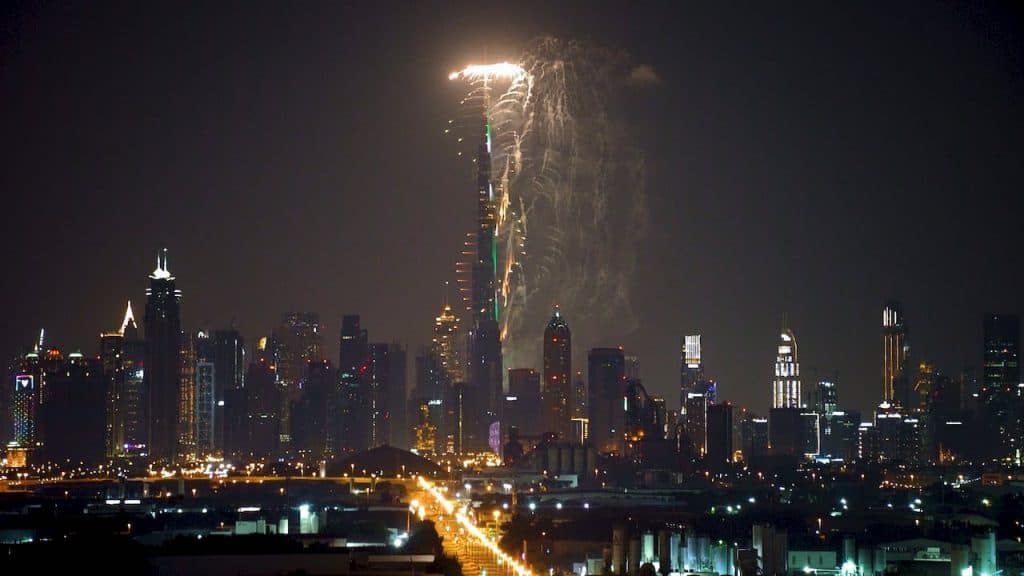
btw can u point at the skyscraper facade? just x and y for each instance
(523, 402)
(72, 421)
(386, 386)
(486, 370)
(354, 377)
(606, 378)
(229, 364)
(204, 382)
(187, 398)
(111, 352)
(163, 361)
(691, 370)
(1000, 393)
(894, 348)
(556, 391)
(719, 435)
(786, 385)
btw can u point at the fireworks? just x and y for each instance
(562, 162)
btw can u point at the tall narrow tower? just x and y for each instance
(486, 358)
(162, 373)
(557, 376)
(894, 348)
(786, 386)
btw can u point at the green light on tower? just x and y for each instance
(494, 264)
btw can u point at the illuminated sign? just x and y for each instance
(24, 382)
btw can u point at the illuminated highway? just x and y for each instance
(462, 536)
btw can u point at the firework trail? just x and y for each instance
(564, 169)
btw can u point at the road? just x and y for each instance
(463, 538)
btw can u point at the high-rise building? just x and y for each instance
(826, 399)
(786, 431)
(398, 391)
(579, 396)
(73, 418)
(695, 422)
(753, 437)
(187, 398)
(24, 408)
(163, 361)
(641, 414)
(923, 387)
(894, 348)
(523, 402)
(111, 352)
(691, 373)
(486, 370)
(122, 354)
(386, 383)
(1000, 394)
(445, 344)
(314, 434)
(839, 433)
(786, 386)
(354, 376)
(556, 390)
(229, 366)
(132, 402)
(301, 332)
(263, 404)
(719, 435)
(204, 376)
(606, 383)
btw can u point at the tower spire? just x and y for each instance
(129, 318)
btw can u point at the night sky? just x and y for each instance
(803, 159)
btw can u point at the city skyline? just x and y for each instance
(266, 159)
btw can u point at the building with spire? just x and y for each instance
(162, 375)
(486, 371)
(122, 357)
(556, 389)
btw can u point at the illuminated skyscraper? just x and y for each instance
(24, 408)
(122, 356)
(894, 348)
(1000, 394)
(691, 374)
(555, 391)
(486, 370)
(187, 398)
(163, 361)
(445, 344)
(205, 379)
(786, 386)
(111, 350)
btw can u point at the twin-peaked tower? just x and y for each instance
(162, 373)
